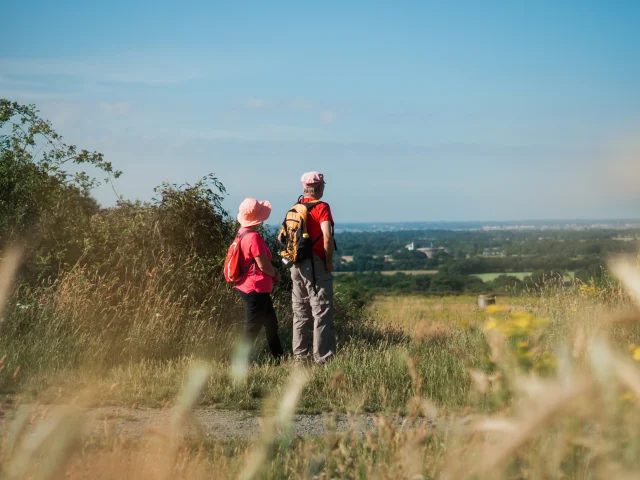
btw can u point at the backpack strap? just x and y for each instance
(311, 205)
(252, 264)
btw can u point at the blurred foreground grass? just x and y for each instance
(533, 387)
(442, 338)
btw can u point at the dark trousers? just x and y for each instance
(259, 312)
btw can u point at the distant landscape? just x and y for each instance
(479, 257)
(564, 224)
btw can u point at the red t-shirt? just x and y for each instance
(320, 213)
(255, 280)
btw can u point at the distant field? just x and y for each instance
(393, 272)
(489, 277)
(409, 312)
(411, 272)
(485, 277)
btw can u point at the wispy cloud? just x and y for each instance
(301, 104)
(256, 103)
(289, 104)
(265, 133)
(31, 96)
(13, 82)
(131, 70)
(119, 108)
(72, 116)
(328, 116)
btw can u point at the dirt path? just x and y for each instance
(214, 423)
(209, 422)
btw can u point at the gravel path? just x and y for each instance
(214, 423)
(209, 422)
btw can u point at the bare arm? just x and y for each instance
(328, 244)
(265, 265)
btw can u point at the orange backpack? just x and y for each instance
(295, 237)
(232, 270)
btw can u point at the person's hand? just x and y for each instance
(329, 266)
(277, 277)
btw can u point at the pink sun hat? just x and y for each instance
(252, 212)
(311, 179)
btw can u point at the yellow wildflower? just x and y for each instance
(496, 308)
(636, 354)
(589, 290)
(522, 321)
(626, 397)
(491, 324)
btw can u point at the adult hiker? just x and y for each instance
(307, 232)
(248, 267)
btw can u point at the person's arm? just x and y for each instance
(265, 265)
(328, 244)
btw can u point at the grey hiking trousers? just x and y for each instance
(312, 314)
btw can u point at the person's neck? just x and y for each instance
(309, 197)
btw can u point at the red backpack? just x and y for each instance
(232, 270)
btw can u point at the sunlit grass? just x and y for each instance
(409, 313)
(536, 387)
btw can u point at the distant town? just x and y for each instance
(480, 256)
(567, 225)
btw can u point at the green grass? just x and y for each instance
(440, 336)
(68, 353)
(373, 378)
(489, 277)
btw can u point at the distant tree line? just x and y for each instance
(361, 286)
(581, 251)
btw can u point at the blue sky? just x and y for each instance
(413, 110)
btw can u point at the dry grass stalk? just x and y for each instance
(16, 428)
(628, 273)
(189, 396)
(8, 269)
(627, 374)
(540, 411)
(281, 423)
(480, 380)
(54, 441)
(579, 342)
(416, 378)
(240, 363)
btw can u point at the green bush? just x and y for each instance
(134, 282)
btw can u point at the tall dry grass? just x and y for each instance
(578, 419)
